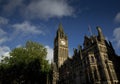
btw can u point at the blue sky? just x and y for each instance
(38, 20)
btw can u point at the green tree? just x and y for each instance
(26, 65)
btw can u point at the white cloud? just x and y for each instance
(27, 28)
(3, 20)
(3, 37)
(2, 32)
(46, 9)
(4, 51)
(22, 30)
(11, 6)
(49, 54)
(43, 9)
(117, 18)
(18, 46)
(116, 34)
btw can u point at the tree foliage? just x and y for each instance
(26, 65)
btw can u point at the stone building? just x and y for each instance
(94, 63)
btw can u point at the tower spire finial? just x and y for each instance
(60, 27)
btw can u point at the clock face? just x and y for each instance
(63, 42)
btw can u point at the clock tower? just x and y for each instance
(60, 47)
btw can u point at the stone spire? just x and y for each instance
(60, 27)
(60, 31)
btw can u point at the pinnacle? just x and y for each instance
(60, 27)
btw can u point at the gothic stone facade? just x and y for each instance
(92, 64)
